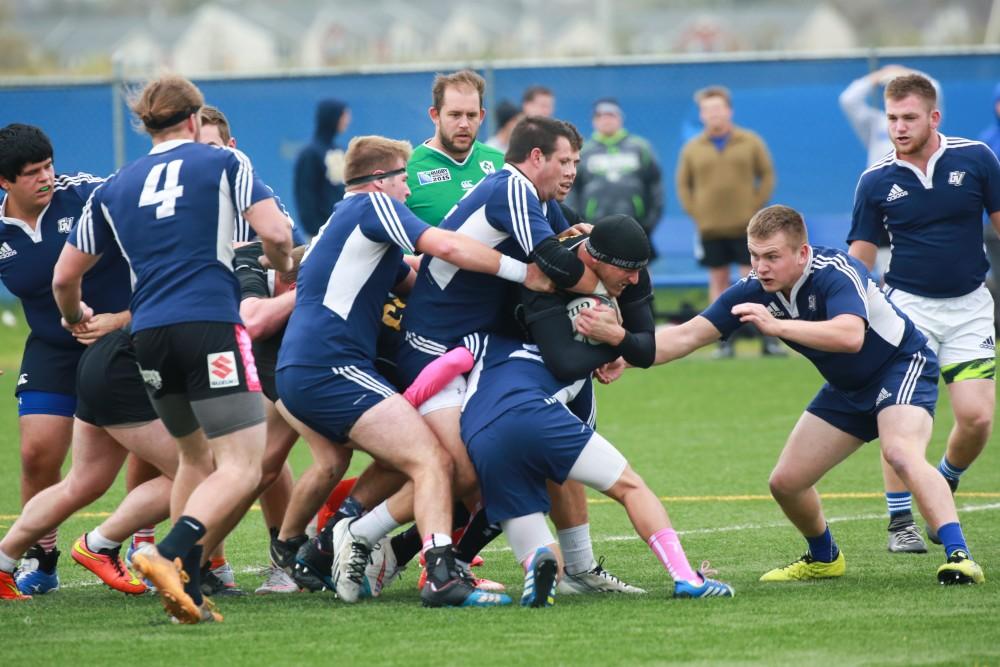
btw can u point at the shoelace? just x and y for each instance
(707, 571)
(360, 558)
(601, 572)
(907, 536)
(116, 562)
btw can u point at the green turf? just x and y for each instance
(704, 434)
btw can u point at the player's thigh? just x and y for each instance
(812, 449)
(97, 458)
(392, 431)
(904, 430)
(48, 435)
(326, 453)
(150, 442)
(446, 425)
(973, 401)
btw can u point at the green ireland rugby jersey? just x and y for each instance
(437, 182)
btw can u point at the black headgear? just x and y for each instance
(620, 241)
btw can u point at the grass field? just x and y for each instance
(704, 434)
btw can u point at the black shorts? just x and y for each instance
(716, 253)
(48, 368)
(109, 388)
(201, 360)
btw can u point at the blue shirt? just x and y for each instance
(28, 256)
(349, 268)
(509, 373)
(173, 214)
(503, 212)
(935, 221)
(832, 284)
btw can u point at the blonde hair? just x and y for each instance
(367, 154)
(465, 77)
(767, 222)
(912, 84)
(213, 116)
(163, 100)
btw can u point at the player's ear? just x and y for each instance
(434, 114)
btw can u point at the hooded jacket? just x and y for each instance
(319, 169)
(991, 135)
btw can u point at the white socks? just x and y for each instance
(578, 552)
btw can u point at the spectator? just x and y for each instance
(991, 137)
(506, 115)
(538, 101)
(724, 176)
(319, 168)
(618, 173)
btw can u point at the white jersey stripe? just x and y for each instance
(912, 375)
(424, 345)
(390, 220)
(362, 379)
(840, 264)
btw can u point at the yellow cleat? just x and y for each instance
(169, 578)
(960, 569)
(807, 568)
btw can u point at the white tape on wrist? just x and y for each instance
(512, 269)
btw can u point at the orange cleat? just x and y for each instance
(9, 589)
(108, 566)
(169, 578)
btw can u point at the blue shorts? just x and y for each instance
(909, 381)
(519, 451)
(331, 400)
(415, 352)
(48, 368)
(45, 403)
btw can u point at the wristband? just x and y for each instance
(512, 270)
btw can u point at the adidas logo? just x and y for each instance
(6, 252)
(882, 395)
(896, 192)
(775, 310)
(988, 344)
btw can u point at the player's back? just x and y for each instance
(173, 211)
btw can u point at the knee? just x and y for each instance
(976, 422)
(900, 458)
(782, 484)
(38, 461)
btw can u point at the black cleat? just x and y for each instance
(283, 552)
(313, 569)
(447, 586)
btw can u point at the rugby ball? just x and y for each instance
(574, 307)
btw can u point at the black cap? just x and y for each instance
(620, 241)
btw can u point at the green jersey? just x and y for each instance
(437, 181)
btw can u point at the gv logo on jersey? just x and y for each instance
(64, 225)
(955, 178)
(812, 302)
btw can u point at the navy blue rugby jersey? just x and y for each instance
(28, 256)
(934, 220)
(503, 212)
(833, 284)
(173, 214)
(351, 265)
(509, 373)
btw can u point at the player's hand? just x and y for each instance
(86, 312)
(100, 325)
(759, 316)
(537, 281)
(576, 230)
(884, 75)
(291, 275)
(601, 324)
(610, 371)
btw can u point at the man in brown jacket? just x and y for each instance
(724, 176)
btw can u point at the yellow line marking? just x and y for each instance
(847, 495)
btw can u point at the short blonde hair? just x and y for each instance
(462, 78)
(163, 100)
(213, 116)
(768, 221)
(367, 154)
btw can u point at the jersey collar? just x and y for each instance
(168, 146)
(927, 180)
(791, 304)
(34, 234)
(475, 142)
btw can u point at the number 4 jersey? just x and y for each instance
(172, 212)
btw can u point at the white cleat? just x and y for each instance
(277, 581)
(596, 580)
(351, 557)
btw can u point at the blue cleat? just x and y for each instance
(540, 580)
(708, 588)
(38, 575)
(132, 547)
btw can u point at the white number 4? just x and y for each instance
(168, 196)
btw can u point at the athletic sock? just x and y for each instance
(952, 538)
(578, 551)
(950, 472)
(97, 542)
(435, 541)
(667, 547)
(375, 525)
(822, 547)
(900, 505)
(48, 541)
(144, 535)
(460, 518)
(406, 545)
(7, 564)
(478, 533)
(348, 509)
(192, 565)
(181, 538)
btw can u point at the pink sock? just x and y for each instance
(668, 549)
